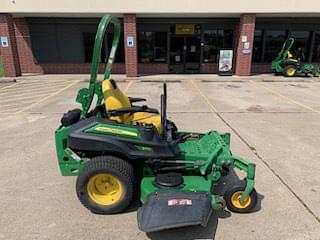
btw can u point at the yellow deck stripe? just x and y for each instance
(48, 97)
(288, 99)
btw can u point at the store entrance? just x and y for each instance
(184, 54)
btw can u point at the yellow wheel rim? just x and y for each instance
(291, 71)
(104, 189)
(235, 200)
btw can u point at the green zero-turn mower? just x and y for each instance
(288, 66)
(119, 150)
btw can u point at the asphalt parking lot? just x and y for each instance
(274, 124)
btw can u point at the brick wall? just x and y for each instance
(261, 68)
(130, 52)
(18, 57)
(82, 68)
(153, 68)
(29, 64)
(235, 45)
(246, 28)
(9, 55)
(27, 61)
(209, 68)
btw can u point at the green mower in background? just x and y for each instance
(290, 67)
(119, 150)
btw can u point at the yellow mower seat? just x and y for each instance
(115, 99)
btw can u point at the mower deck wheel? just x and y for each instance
(105, 185)
(232, 197)
(290, 71)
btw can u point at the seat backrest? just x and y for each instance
(114, 99)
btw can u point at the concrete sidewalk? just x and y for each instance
(163, 77)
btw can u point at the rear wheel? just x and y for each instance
(232, 197)
(105, 185)
(290, 71)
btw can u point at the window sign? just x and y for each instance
(185, 29)
(244, 38)
(130, 41)
(225, 62)
(246, 45)
(4, 41)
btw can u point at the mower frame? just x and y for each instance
(202, 159)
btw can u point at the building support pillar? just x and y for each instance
(245, 44)
(8, 46)
(28, 63)
(130, 42)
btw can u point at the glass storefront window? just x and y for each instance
(274, 41)
(316, 48)
(257, 46)
(214, 40)
(88, 39)
(88, 42)
(152, 47)
(300, 47)
(120, 50)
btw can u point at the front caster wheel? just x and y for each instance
(105, 185)
(232, 197)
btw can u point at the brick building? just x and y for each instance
(169, 36)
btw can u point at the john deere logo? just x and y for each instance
(116, 131)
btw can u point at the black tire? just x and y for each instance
(116, 167)
(235, 188)
(287, 71)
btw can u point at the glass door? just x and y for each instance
(192, 54)
(185, 54)
(177, 54)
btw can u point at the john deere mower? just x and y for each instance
(119, 150)
(290, 67)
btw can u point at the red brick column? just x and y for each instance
(9, 55)
(27, 62)
(244, 56)
(131, 59)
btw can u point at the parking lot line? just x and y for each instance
(213, 108)
(253, 150)
(17, 100)
(284, 97)
(22, 94)
(31, 86)
(12, 85)
(48, 97)
(128, 86)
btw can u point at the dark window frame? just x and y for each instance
(150, 58)
(37, 28)
(218, 38)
